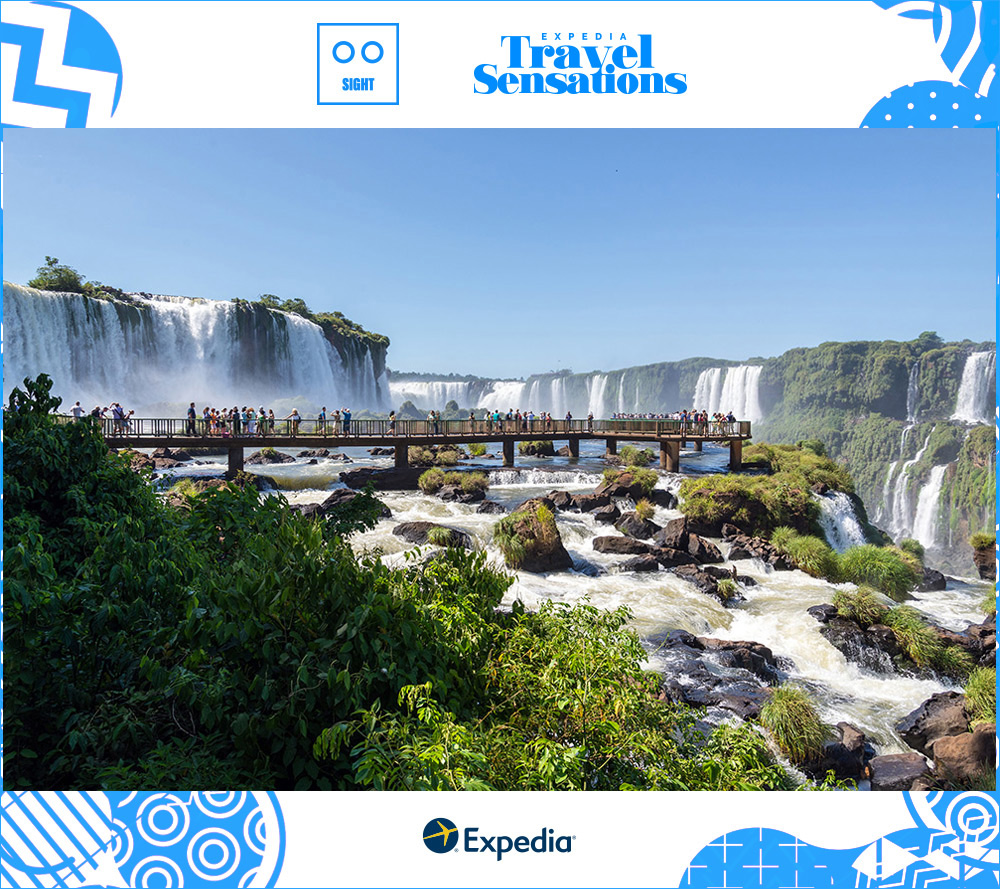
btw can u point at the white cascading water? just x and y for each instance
(913, 393)
(738, 392)
(503, 395)
(900, 501)
(708, 390)
(839, 521)
(170, 350)
(430, 394)
(974, 403)
(925, 523)
(596, 385)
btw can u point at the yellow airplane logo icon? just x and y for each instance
(444, 833)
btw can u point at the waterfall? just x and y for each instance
(503, 395)
(925, 524)
(736, 389)
(839, 521)
(912, 393)
(430, 394)
(900, 502)
(975, 393)
(596, 385)
(151, 352)
(708, 390)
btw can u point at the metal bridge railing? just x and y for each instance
(172, 427)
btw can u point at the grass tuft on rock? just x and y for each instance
(792, 720)
(887, 569)
(981, 695)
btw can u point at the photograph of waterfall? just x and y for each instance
(511, 459)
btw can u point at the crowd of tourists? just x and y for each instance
(246, 422)
(697, 421)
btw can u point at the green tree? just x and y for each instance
(57, 276)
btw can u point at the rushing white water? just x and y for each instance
(839, 521)
(504, 395)
(925, 523)
(169, 350)
(974, 403)
(774, 612)
(736, 389)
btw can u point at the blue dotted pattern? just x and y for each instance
(943, 103)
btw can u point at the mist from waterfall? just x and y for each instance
(155, 351)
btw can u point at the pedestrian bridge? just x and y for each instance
(670, 435)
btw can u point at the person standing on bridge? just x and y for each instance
(346, 416)
(294, 420)
(590, 422)
(392, 422)
(77, 411)
(192, 416)
(321, 421)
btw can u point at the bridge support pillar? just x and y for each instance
(696, 445)
(670, 456)
(736, 453)
(400, 454)
(235, 461)
(574, 447)
(508, 452)
(611, 446)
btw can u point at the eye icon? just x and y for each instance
(440, 835)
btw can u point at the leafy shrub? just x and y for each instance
(810, 468)
(861, 605)
(536, 448)
(913, 547)
(757, 503)
(630, 455)
(813, 445)
(886, 569)
(446, 457)
(528, 530)
(989, 604)
(268, 452)
(792, 720)
(644, 509)
(814, 556)
(923, 646)
(982, 540)
(981, 695)
(431, 481)
(477, 449)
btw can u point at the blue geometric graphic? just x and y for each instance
(968, 38)
(955, 844)
(60, 67)
(75, 839)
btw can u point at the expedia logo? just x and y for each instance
(441, 835)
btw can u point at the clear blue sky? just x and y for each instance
(504, 253)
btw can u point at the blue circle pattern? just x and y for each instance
(193, 839)
(932, 103)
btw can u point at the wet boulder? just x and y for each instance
(268, 456)
(986, 563)
(663, 498)
(607, 515)
(316, 452)
(857, 646)
(640, 563)
(940, 716)
(562, 500)
(590, 502)
(967, 756)
(897, 771)
(704, 551)
(847, 757)
(342, 497)
(932, 580)
(633, 525)
(425, 532)
(671, 558)
(539, 546)
(455, 494)
(383, 479)
(491, 507)
(623, 546)
(823, 613)
(674, 534)
(751, 656)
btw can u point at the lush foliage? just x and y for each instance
(914, 547)
(531, 528)
(983, 540)
(805, 460)
(981, 695)
(792, 720)
(888, 569)
(809, 553)
(756, 503)
(433, 480)
(644, 509)
(543, 448)
(330, 321)
(57, 276)
(922, 645)
(864, 606)
(630, 455)
(477, 449)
